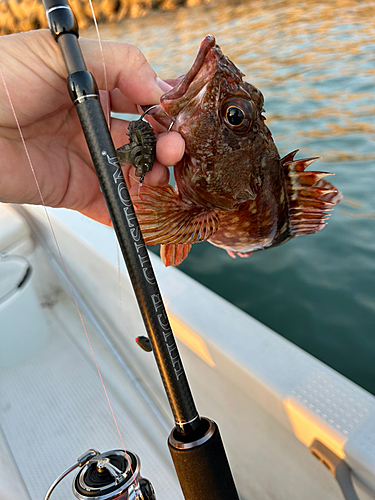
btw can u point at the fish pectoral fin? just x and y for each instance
(310, 197)
(166, 219)
(173, 255)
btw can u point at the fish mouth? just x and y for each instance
(182, 87)
(185, 89)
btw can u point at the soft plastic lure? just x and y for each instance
(141, 149)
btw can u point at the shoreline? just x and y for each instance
(25, 15)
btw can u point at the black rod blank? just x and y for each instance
(85, 96)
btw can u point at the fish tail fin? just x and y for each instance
(310, 197)
(174, 254)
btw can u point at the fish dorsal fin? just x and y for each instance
(173, 255)
(166, 219)
(310, 197)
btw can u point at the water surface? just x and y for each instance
(314, 62)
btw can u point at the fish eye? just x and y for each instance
(237, 114)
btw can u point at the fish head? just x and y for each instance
(220, 117)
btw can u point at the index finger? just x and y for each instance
(127, 69)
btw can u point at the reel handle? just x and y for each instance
(82, 460)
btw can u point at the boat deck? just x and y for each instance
(270, 398)
(53, 406)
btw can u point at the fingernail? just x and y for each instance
(164, 86)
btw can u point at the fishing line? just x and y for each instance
(108, 119)
(108, 109)
(119, 282)
(137, 181)
(120, 289)
(61, 257)
(108, 116)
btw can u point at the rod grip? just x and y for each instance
(202, 466)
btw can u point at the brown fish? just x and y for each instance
(232, 188)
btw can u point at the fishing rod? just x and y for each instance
(195, 443)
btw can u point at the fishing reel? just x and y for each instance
(114, 474)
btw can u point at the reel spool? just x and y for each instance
(114, 474)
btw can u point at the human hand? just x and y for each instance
(35, 74)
